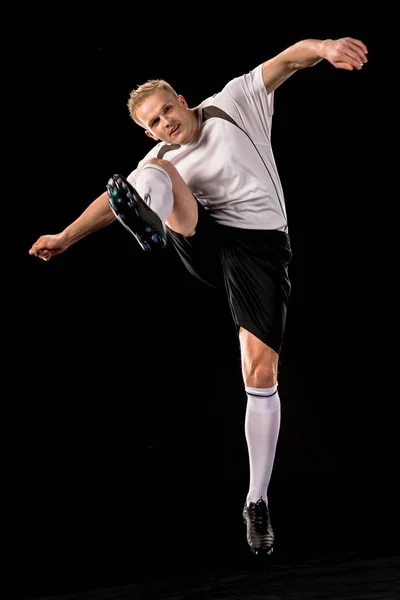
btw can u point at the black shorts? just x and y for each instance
(252, 266)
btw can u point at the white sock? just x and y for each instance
(154, 186)
(262, 423)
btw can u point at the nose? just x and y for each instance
(166, 119)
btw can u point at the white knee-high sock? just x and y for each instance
(154, 186)
(262, 424)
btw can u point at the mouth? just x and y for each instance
(175, 130)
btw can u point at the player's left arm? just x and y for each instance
(344, 53)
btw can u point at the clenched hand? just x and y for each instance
(49, 245)
(345, 53)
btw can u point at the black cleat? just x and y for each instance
(134, 214)
(260, 535)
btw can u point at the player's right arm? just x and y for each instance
(96, 216)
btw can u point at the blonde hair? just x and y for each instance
(139, 95)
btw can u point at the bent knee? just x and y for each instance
(184, 215)
(164, 164)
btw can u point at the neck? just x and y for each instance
(194, 112)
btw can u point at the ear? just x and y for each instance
(151, 135)
(182, 101)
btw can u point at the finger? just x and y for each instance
(35, 247)
(357, 53)
(350, 57)
(44, 254)
(343, 65)
(360, 45)
(40, 255)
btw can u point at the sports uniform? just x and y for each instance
(241, 238)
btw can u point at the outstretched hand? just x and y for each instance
(48, 245)
(345, 53)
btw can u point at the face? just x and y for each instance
(167, 118)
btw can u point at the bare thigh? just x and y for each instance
(259, 361)
(184, 214)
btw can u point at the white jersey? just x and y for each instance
(230, 167)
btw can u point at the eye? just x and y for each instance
(155, 122)
(167, 108)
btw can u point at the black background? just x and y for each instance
(127, 451)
